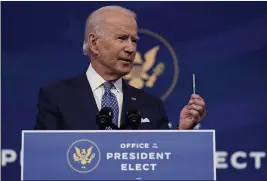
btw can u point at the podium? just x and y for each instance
(118, 155)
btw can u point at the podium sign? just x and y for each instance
(118, 155)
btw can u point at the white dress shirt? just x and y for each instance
(96, 83)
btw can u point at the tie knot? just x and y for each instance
(108, 86)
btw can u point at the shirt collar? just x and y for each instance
(96, 80)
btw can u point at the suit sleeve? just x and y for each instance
(162, 122)
(47, 116)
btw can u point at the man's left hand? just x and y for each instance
(192, 113)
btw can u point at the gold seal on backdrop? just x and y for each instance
(148, 67)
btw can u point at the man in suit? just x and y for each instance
(110, 41)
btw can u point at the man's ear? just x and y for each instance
(92, 43)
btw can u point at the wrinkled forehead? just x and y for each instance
(120, 23)
(117, 28)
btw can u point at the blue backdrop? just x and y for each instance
(223, 43)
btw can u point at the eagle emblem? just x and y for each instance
(83, 156)
(139, 77)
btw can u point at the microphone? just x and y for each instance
(133, 118)
(104, 117)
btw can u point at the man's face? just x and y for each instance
(117, 47)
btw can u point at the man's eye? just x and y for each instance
(122, 38)
(134, 40)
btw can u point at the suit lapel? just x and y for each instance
(86, 103)
(128, 103)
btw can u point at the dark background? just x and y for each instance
(224, 43)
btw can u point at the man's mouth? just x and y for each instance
(126, 60)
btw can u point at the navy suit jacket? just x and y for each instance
(69, 104)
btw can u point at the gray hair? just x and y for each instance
(95, 21)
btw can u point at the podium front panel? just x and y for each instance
(118, 155)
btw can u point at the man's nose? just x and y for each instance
(130, 47)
